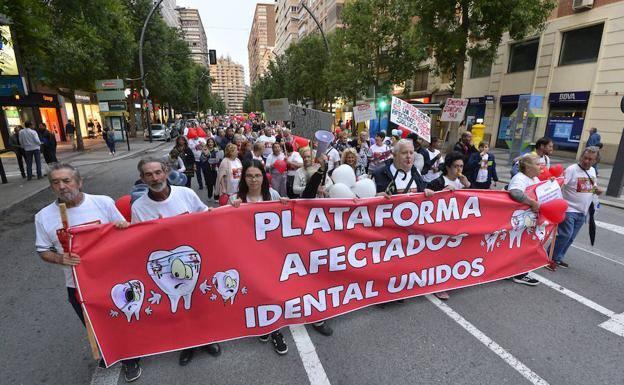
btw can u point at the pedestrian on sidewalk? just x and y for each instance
(70, 130)
(15, 145)
(482, 166)
(528, 170)
(48, 144)
(109, 137)
(31, 144)
(52, 240)
(579, 186)
(164, 201)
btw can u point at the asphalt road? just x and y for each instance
(498, 333)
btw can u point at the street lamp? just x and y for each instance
(143, 88)
(317, 24)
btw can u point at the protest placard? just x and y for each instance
(410, 117)
(307, 121)
(454, 110)
(167, 284)
(276, 109)
(364, 112)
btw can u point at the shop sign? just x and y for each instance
(11, 85)
(569, 97)
(489, 99)
(83, 98)
(115, 95)
(117, 106)
(109, 84)
(509, 99)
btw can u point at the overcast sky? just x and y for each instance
(227, 24)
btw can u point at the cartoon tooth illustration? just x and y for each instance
(128, 297)
(227, 284)
(176, 273)
(490, 240)
(521, 220)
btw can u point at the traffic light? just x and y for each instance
(382, 103)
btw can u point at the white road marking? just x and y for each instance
(309, 358)
(597, 254)
(488, 342)
(615, 324)
(108, 376)
(611, 227)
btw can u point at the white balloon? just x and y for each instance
(340, 190)
(344, 174)
(365, 188)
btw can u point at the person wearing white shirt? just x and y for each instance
(29, 140)
(164, 201)
(293, 161)
(579, 187)
(196, 144)
(52, 239)
(267, 139)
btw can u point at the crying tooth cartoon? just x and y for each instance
(176, 273)
(128, 297)
(227, 284)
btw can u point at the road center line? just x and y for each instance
(487, 341)
(611, 227)
(597, 254)
(309, 358)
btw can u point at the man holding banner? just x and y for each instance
(73, 208)
(162, 201)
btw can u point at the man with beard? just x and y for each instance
(52, 240)
(163, 201)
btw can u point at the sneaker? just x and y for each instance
(442, 295)
(323, 328)
(186, 356)
(132, 371)
(552, 266)
(264, 338)
(213, 349)
(278, 343)
(525, 280)
(562, 264)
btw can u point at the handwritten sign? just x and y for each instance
(410, 117)
(364, 112)
(307, 121)
(454, 110)
(276, 109)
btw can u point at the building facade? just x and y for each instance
(576, 64)
(261, 41)
(286, 24)
(194, 34)
(327, 12)
(229, 83)
(170, 14)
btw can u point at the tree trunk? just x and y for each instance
(79, 141)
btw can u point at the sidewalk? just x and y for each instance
(604, 173)
(96, 152)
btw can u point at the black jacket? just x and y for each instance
(383, 178)
(466, 151)
(474, 163)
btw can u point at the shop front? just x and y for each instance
(475, 112)
(509, 104)
(34, 107)
(88, 114)
(566, 118)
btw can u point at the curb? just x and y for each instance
(606, 202)
(3, 211)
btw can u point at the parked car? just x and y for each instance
(159, 132)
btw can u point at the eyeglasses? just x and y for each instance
(259, 176)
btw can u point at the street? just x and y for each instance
(498, 333)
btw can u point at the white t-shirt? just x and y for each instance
(578, 188)
(195, 145)
(233, 176)
(520, 182)
(274, 196)
(272, 158)
(94, 209)
(333, 158)
(268, 144)
(181, 200)
(378, 155)
(295, 157)
(544, 161)
(482, 174)
(456, 183)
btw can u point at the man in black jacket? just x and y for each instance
(399, 175)
(466, 148)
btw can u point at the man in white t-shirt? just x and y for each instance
(52, 239)
(163, 201)
(579, 187)
(267, 139)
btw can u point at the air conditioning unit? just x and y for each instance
(579, 5)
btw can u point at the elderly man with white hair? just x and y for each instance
(399, 175)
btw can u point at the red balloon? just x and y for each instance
(404, 132)
(123, 205)
(201, 133)
(192, 133)
(544, 175)
(280, 165)
(556, 170)
(554, 211)
(300, 141)
(338, 130)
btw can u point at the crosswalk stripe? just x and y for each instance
(488, 342)
(611, 227)
(309, 358)
(597, 254)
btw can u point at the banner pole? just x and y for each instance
(552, 243)
(95, 351)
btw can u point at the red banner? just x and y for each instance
(190, 280)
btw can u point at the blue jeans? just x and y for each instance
(29, 161)
(566, 232)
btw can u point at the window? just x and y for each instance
(581, 45)
(421, 78)
(480, 68)
(522, 56)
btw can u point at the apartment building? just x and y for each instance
(576, 64)
(170, 14)
(229, 83)
(261, 41)
(194, 34)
